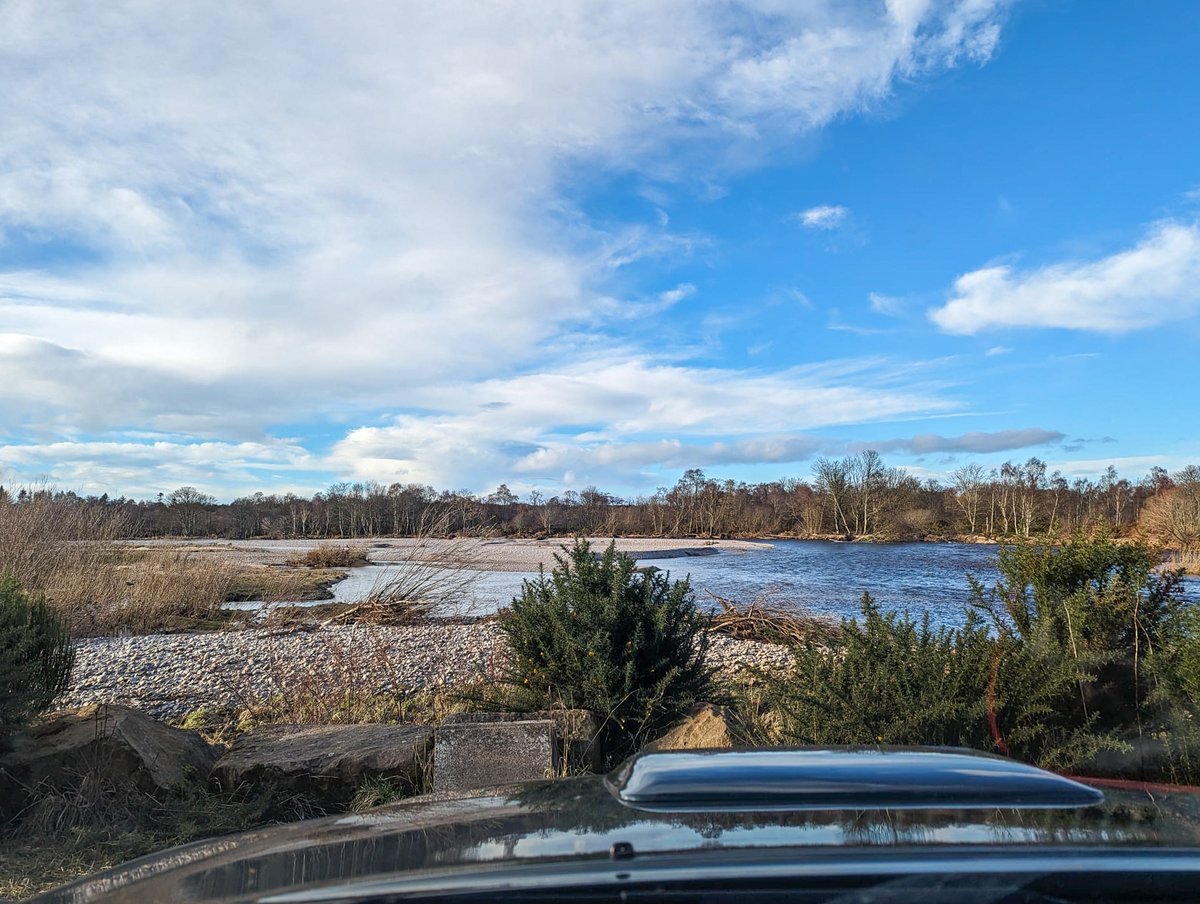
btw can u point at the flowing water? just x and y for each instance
(824, 578)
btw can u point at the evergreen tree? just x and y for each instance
(36, 656)
(600, 635)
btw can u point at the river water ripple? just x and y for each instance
(821, 577)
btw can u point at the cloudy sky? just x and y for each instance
(270, 246)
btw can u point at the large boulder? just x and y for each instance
(114, 744)
(326, 764)
(486, 754)
(707, 727)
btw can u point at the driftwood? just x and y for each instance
(770, 623)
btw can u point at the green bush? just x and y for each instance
(889, 679)
(35, 656)
(1093, 595)
(1105, 606)
(1176, 664)
(598, 634)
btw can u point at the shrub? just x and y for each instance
(35, 656)
(1092, 594)
(1176, 664)
(889, 679)
(597, 634)
(1103, 605)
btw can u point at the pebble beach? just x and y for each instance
(170, 675)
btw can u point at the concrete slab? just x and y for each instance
(580, 746)
(481, 755)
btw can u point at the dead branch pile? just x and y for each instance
(771, 623)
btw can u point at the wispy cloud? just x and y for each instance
(886, 304)
(601, 418)
(997, 350)
(1154, 282)
(824, 216)
(999, 441)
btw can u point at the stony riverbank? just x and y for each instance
(168, 675)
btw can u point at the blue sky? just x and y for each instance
(272, 247)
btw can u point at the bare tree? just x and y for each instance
(969, 482)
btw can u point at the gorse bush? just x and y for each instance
(1105, 607)
(889, 679)
(598, 634)
(1087, 650)
(1095, 596)
(36, 656)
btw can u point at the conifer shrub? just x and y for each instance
(888, 679)
(36, 656)
(598, 634)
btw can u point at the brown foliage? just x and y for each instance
(1173, 518)
(333, 555)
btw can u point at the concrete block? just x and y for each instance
(581, 748)
(481, 755)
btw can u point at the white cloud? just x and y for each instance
(886, 304)
(146, 468)
(281, 211)
(602, 421)
(824, 216)
(1156, 281)
(996, 350)
(676, 295)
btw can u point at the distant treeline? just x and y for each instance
(856, 496)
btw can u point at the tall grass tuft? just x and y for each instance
(47, 534)
(141, 592)
(68, 551)
(334, 555)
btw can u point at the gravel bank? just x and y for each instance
(473, 553)
(169, 675)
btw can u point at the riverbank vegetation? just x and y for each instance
(1080, 657)
(852, 497)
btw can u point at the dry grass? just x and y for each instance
(150, 591)
(69, 552)
(47, 536)
(435, 575)
(283, 585)
(1188, 560)
(769, 622)
(334, 555)
(71, 832)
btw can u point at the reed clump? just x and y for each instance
(68, 551)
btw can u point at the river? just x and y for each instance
(821, 577)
